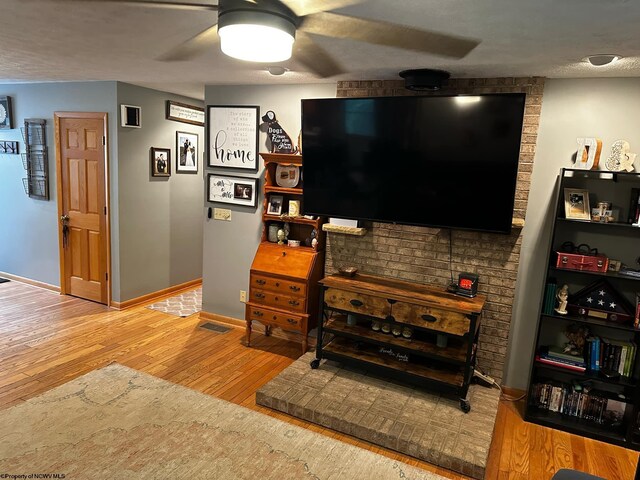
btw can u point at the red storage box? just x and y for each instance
(576, 261)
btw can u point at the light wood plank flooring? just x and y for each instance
(47, 339)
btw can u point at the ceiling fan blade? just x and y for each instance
(315, 58)
(196, 45)
(155, 4)
(389, 34)
(307, 7)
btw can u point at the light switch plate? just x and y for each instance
(222, 214)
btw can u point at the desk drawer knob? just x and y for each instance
(429, 318)
(356, 303)
(292, 321)
(294, 288)
(261, 282)
(294, 303)
(277, 284)
(257, 313)
(259, 295)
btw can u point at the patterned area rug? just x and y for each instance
(409, 420)
(119, 423)
(182, 305)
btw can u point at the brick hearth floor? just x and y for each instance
(409, 420)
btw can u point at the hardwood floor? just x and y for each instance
(47, 339)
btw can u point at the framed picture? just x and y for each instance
(234, 190)
(576, 204)
(232, 137)
(181, 112)
(6, 115)
(186, 152)
(275, 205)
(160, 162)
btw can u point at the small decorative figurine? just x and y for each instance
(281, 237)
(577, 336)
(620, 158)
(280, 141)
(562, 296)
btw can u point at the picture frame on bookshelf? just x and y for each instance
(275, 205)
(576, 204)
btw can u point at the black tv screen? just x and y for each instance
(441, 161)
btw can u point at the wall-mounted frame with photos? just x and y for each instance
(232, 137)
(160, 162)
(187, 147)
(233, 190)
(6, 113)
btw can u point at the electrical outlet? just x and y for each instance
(243, 296)
(222, 214)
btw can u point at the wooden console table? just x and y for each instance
(358, 312)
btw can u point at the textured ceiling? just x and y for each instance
(51, 40)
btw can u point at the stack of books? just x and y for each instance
(556, 357)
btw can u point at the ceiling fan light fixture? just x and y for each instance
(603, 59)
(256, 36)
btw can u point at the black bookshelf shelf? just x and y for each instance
(592, 321)
(599, 224)
(577, 426)
(597, 274)
(589, 375)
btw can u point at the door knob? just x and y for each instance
(64, 218)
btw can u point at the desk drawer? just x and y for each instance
(270, 317)
(357, 302)
(286, 287)
(278, 300)
(445, 321)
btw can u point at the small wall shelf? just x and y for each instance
(360, 232)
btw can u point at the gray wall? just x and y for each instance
(160, 219)
(602, 108)
(29, 227)
(230, 246)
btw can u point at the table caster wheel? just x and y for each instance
(465, 406)
(315, 363)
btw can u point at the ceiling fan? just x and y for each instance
(272, 30)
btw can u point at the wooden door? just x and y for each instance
(82, 204)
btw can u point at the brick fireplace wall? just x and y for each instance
(421, 254)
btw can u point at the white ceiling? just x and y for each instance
(47, 40)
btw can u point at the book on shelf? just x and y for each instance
(634, 206)
(558, 352)
(636, 320)
(561, 363)
(549, 301)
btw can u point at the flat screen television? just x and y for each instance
(440, 161)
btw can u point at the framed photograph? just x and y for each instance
(160, 162)
(576, 204)
(186, 152)
(6, 114)
(181, 112)
(232, 137)
(275, 205)
(234, 190)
